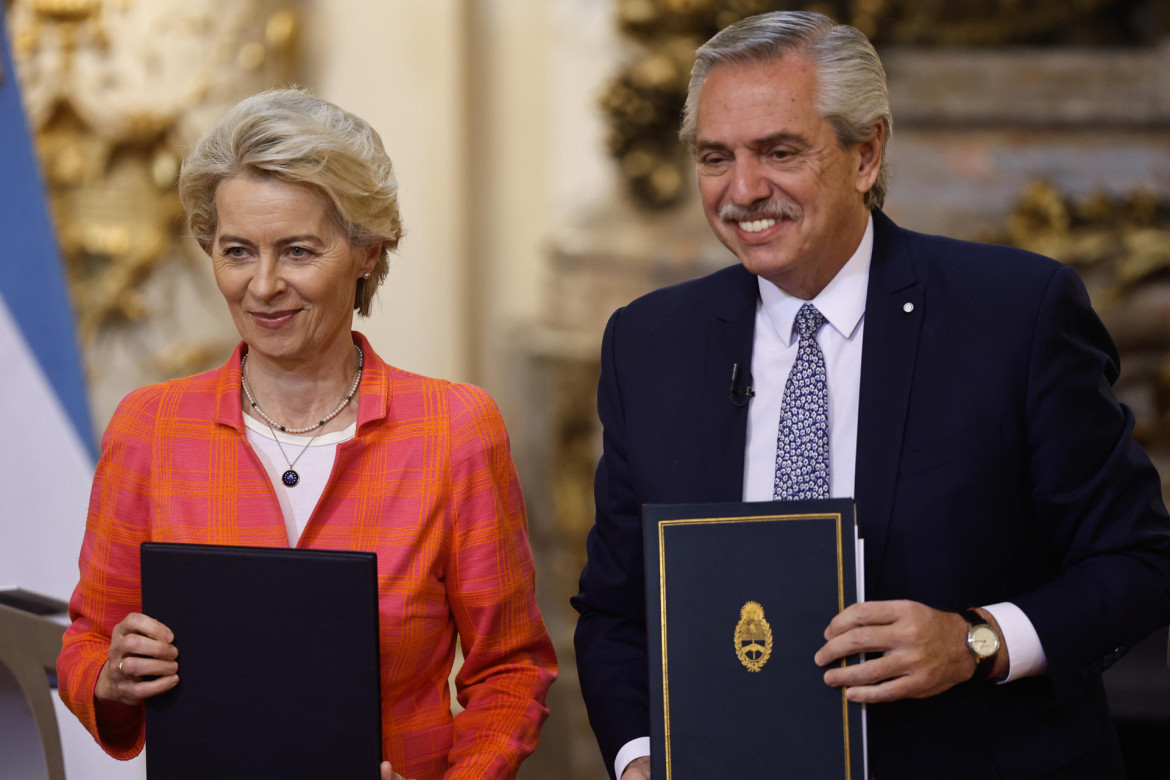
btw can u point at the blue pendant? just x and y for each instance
(290, 478)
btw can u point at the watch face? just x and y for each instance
(984, 641)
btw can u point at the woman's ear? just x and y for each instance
(369, 259)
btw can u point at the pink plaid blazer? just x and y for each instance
(427, 483)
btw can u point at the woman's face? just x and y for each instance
(287, 271)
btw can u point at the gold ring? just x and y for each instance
(120, 667)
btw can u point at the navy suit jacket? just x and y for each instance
(993, 464)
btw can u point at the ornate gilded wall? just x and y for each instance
(115, 90)
(645, 98)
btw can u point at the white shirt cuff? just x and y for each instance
(1026, 656)
(635, 748)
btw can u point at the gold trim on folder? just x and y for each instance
(662, 526)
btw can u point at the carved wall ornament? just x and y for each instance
(115, 90)
(1120, 245)
(643, 102)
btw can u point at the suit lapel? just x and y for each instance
(894, 310)
(724, 428)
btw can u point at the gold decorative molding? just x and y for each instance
(1117, 243)
(643, 102)
(115, 90)
(1120, 245)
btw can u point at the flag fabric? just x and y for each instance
(46, 440)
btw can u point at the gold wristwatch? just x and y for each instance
(982, 642)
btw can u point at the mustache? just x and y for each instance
(764, 209)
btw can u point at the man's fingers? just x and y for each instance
(888, 678)
(866, 613)
(869, 672)
(865, 639)
(889, 690)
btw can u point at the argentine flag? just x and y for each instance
(46, 440)
(47, 448)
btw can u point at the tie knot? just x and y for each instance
(808, 321)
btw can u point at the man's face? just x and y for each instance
(777, 188)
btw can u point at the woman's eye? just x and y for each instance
(299, 252)
(235, 252)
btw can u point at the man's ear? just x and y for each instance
(869, 158)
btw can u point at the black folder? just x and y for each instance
(278, 663)
(738, 596)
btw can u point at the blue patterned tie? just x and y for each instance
(802, 445)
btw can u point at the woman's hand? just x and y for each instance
(140, 647)
(390, 774)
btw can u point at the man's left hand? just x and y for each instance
(924, 651)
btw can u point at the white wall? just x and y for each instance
(399, 65)
(488, 109)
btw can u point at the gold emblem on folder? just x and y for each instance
(753, 637)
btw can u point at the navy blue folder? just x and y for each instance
(738, 597)
(278, 663)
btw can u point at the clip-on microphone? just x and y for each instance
(739, 395)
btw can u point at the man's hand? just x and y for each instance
(638, 769)
(924, 651)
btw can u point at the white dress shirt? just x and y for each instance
(774, 347)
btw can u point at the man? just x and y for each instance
(1016, 539)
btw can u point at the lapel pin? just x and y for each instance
(907, 307)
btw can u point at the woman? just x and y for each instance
(306, 438)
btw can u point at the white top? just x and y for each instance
(314, 463)
(774, 347)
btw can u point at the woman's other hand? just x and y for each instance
(141, 662)
(390, 774)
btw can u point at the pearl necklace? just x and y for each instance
(291, 477)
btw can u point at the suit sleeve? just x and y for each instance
(509, 662)
(110, 586)
(611, 631)
(1096, 495)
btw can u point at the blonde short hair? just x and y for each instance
(290, 135)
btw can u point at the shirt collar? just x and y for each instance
(842, 302)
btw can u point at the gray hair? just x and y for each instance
(851, 94)
(289, 135)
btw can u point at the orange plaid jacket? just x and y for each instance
(427, 483)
